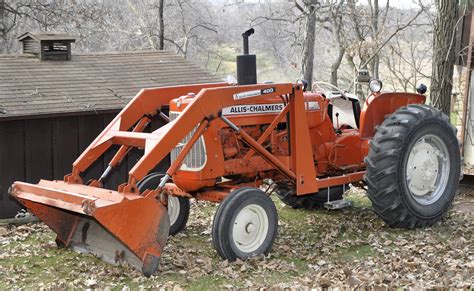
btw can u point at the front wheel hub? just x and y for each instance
(250, 228)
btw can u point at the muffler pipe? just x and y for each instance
(245, 37)
(246, 63)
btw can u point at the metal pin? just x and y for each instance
(163, 181)
(164, 117)
(106, 173)
(230, 124)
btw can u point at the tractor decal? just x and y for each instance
(254, 93)
(253, 109)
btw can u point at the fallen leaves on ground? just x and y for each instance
(349, 249)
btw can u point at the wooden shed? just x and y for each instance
(50, 110)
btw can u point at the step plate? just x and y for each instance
(338, 204)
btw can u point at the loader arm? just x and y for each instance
(147, 102)
(208, 104)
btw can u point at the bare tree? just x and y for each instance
(308, 46)
(294, 37)
(372, 40)
(359, 32)
(444, 55)
(18, 16)
(190, 22)
(281, 29)
(311, 11)
(337, 29)
(3, 28)
(408, 59)
(161, 21)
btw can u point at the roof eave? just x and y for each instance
(13, 117)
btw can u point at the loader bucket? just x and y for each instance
(118, 228)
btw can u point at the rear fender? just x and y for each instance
(377, 106)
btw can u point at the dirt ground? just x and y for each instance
(346, 248)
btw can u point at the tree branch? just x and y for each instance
(390, 37)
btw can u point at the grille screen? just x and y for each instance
(196, 158)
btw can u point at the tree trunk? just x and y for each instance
(308, 50)
(338, 33)
(2, 26)
(4, 44)
(375, 11)
(375, 67)
(336, 64)
(444, 55)
(161, 20)
(2, 17)
(3, 29)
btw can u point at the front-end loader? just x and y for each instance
(225, 140)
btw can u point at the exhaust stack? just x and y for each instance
(246, 63)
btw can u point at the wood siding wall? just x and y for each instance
(45, 148)
(31, 46)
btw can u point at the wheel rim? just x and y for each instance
(173, 208)
(250, 228)
(427, 170)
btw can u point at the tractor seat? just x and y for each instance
(344, 111)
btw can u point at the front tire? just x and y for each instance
(178, 207)
(245, 224)
(413, 167)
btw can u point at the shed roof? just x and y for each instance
(89, 82)
(45, 35)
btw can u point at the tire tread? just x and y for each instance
(382, 161)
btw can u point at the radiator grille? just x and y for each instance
(196, 158)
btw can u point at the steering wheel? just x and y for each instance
(328, 89)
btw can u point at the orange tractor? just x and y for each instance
(225, 141)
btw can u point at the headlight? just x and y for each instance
(375, 85)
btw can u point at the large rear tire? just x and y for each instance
(413, 167)
(245, 224)
(178, 207)
(311, 201)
